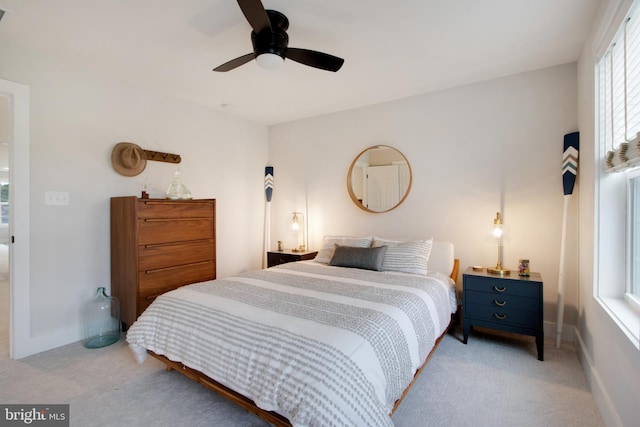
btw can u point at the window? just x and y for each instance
(618, 122)
(619, 126)
(4, 203)
(632, 291)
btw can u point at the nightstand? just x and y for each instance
(509, 303)
(282, 257)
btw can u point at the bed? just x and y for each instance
(310, 343)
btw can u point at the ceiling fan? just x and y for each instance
(270, 42)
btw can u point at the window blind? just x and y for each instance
(619, 97)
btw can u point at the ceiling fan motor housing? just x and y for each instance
(274, 40)
(270, 42)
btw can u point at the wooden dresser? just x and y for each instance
(158, 245)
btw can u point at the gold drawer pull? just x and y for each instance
(497, 289)
(499, 304)
(500, 316)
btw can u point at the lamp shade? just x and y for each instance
(298, 228)
(497, 231)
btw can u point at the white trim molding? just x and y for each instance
(20, 344)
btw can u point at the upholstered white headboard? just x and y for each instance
(441, 258)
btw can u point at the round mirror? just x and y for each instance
(379, 179)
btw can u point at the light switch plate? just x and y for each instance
(57, 198)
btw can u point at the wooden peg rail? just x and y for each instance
(162, 157)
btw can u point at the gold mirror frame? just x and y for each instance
(363, 160)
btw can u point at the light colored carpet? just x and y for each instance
(495, 380)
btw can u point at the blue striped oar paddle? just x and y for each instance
(569, 173)
(268, 194)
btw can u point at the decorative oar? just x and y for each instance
(268, 192)
(569, 172)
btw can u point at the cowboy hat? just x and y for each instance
(128, 159)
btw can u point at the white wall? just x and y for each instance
(474, 150)
(610, 360)
(76, 119)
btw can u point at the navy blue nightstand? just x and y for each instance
(508, 303)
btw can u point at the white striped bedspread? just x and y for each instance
(320, 345)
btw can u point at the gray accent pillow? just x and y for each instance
(354, 257)
(329, 242)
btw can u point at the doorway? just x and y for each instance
(5, 135)
(16, 101)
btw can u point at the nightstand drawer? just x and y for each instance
(503, 301)
(514, 316)
(503, 286)
(283, 257)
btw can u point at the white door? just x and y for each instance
(382, 188)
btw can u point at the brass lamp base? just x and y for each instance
(498, 270)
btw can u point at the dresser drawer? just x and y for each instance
(155, 282)
(175, 209)
(163, 255)
(154, 231)
(514, 316)
(503, 286)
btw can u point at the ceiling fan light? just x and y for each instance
(270, 61)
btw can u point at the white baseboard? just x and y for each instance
(568, 331)
(38, 344)
(606, 407)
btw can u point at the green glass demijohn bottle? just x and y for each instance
(101, 320)
(177, 190)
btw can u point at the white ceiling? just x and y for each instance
(392, 49)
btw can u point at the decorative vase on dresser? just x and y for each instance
(506, 303)
(158, 245)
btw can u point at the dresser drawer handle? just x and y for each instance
(499, 303)
(497, 289)
(174, 267)
(176, 243)
(202, 218)
(500, 316)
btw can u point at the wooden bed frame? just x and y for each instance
(270, 416)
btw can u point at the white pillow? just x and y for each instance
(329, 242)
(405, 256)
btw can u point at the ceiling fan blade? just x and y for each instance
(324, 61)
(234, 63)
(256, 14)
